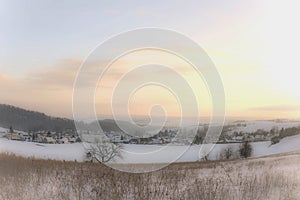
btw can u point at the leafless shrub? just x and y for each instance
(103, 151)
(229, 153)
(226, 153)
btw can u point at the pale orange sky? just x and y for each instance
(254, 47)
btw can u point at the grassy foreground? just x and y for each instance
(274, 177)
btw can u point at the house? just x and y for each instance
(166, 140)
(26, 137)
(3, 131)
(91, 138)
(72, 140)
(238, 138)
(134, 141)
(50, 140)
(64, 140)
(13, 136)
(155, 141)
(258, 137)
(145, 140)
(117, 138)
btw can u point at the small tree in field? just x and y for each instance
(103, 151)
(245, 149)
(226, 153)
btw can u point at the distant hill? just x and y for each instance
(108, 125)
(25, 120)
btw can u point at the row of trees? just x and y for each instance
(284, 132)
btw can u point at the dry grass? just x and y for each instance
(274, 177)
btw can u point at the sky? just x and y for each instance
(253, 44)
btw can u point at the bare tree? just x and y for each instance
(226, 153)
(204, 154)
(103, 151)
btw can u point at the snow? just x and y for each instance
(252, 126)
(142, 153)
(70, 152)
(287, 144)
(3, 130)
(156, 153)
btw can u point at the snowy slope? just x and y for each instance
(3, 129)
(252, 126)
(287, 144)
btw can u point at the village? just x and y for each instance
(165, 136)
(66, 137)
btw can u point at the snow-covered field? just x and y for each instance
(275, 177)
(272, 178)
(252, 126)
(156, 153)
(69, 152)
(141, 153)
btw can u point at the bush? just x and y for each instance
(245, 149)
(226, 153)
(275, 140)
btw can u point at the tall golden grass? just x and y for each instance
(275, 177)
